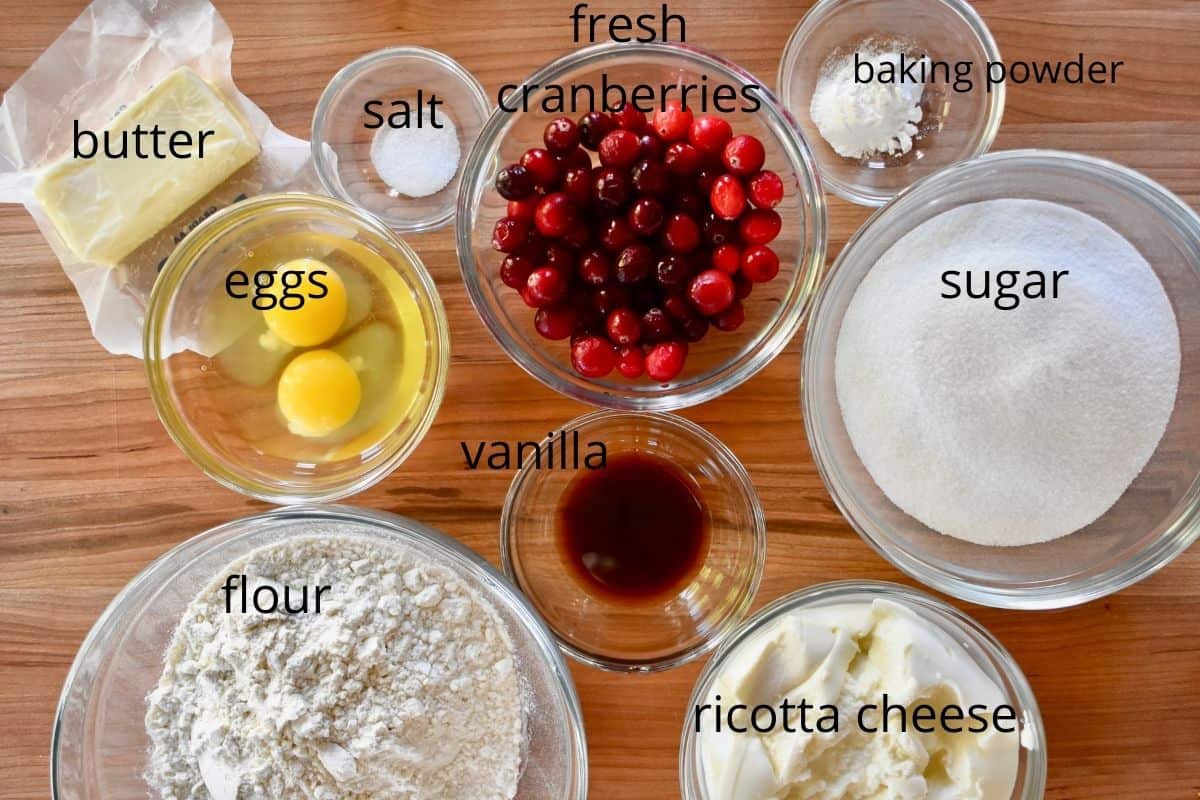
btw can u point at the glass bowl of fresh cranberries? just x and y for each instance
(640, 260)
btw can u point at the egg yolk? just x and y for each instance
(318, 393)
(318, 318)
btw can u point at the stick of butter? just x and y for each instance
(104, 208)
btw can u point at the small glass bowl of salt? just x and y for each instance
(390, 131)
(886, 92)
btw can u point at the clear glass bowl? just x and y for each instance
(342, 146)
(1156, 518)
(956, 125)
(652, 635)
(100, 747)
(191, 322)
(774, 312)
(996, 662)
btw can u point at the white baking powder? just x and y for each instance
(404, 686)
(417, 161)
(1008, 427)
(862, 119)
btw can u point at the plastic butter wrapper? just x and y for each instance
(113, 222)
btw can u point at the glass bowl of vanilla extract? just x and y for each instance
(645, 555)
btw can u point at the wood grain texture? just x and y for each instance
(91, 488)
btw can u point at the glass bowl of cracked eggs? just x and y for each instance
(331, 650)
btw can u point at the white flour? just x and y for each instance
(404, 686)
(1008, 427)
(861, 119)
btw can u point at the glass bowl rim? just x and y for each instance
(1176, 538)
(343, 79)
(919, 602)
(224, 471)
(807, 26)
(745, 488)
(778, 330)
(473, 565)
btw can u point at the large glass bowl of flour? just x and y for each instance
(101, 748)
(1032, 457)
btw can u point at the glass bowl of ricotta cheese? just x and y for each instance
(323, 650)
(857, 689)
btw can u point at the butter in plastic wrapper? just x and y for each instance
(125, 135)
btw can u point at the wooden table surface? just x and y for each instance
(91, 488)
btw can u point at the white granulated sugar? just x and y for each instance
(862, 119)
(404, 686)
(1008, 427)
(417, 161)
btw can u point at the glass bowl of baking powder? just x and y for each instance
(106, 744)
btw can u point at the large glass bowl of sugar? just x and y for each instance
(1152, 521)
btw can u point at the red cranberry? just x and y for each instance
(683, 159)
(615, 234)
(624, 327)
(759, 226)
(759, 263)
(629, 118)
(619, 149)
(681, 234)
(555, 323)
(694, 328)
(718, 231)
(579, 235)
(647, 216)
(631, 362)
(765, 189)
(608, 299)
(528, 297)
(560, 257)
(522, 209)
(634, 263)
(672, 122)
(742, 286)
(665, 360)
(535, 246)
(514, 182)
(743, 155)
(611, 188)
(651, 178)
(673, 270)
(731, 318)
(644, 295)
(593, 127)
(678, 306)
(727, 197)
(547, 286)
(561, 136)
(576, 159)
(555, 215)
(711, 292)
(577, 183)
(727, 258)
(593, 357)
(705, 178)
(690, 203)
(595, 267)
(542, 165)
(657, 325)
(709, 135)
(509, 234)
(652, 146)
(514, 271)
